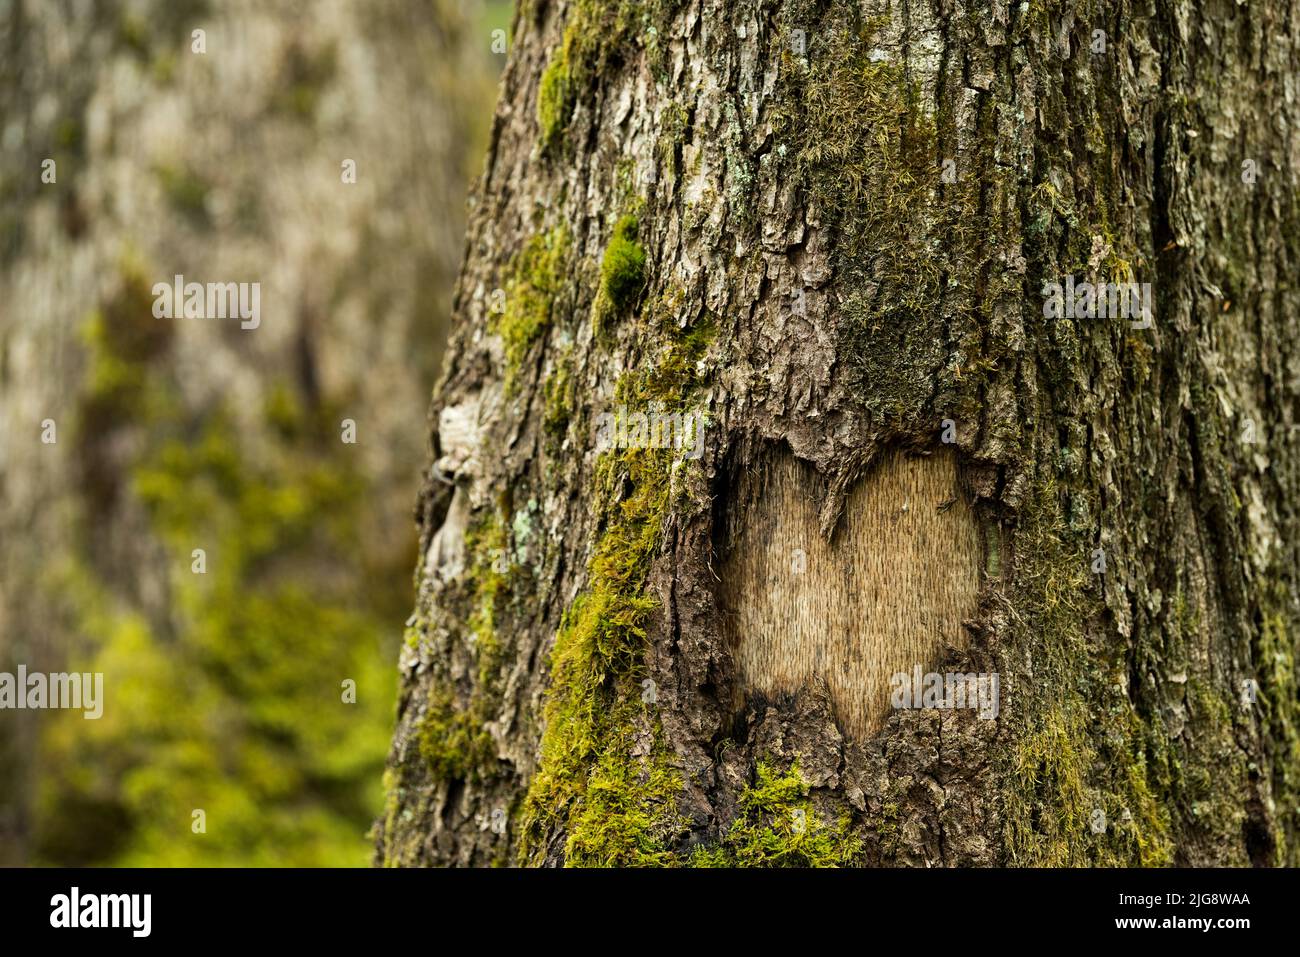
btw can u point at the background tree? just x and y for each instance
(828, 226)
(224, 690)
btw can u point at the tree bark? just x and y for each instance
(831, 228)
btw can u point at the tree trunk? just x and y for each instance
(832, 230)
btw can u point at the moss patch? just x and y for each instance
(1073, 759)
(535, 277)
(605, 779)
(778, 827)
(622, 273)
(453, 738)
(596, 39)
(859, 137)
(555, 96)
(558, 393)
(453, 741)
(617, 808)
(1280, 706)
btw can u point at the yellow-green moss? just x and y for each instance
(453, 737)
(628, 810)
(487, 543)
(595, 40)
(1280, 708)
(1080, 746)
(778, 827)
(670, 380)
(558, 397)
(622, 273)
(856, 133)
(555, 96)
(614, 797)
(616, 808)
(535, 277)
(453, 742)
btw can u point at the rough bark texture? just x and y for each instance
(819, 281)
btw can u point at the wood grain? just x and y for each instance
(893, 585)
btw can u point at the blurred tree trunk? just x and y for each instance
(225, 165)
(829, 228)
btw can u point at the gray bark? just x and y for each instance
(828, 290)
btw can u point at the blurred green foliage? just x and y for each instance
(230, 698)
(224, 690)
(498, 15)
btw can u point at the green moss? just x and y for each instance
(671, 380)
(1280, 707)
(558, 393)
(453, 741)
(596, 39)
(868, 153)
(628, 809)
(282, 411)
(453, 738)
(1073, 758)
(778, 827)
(598, 782)
(886, 823)
(622, 273)
(488, 545)
(555, 96)
(1062, 760)
(413, 634)
(534, 279)
(587, 770)
(393, 795)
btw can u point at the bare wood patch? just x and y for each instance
(887, 593)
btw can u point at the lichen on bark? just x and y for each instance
(861, 204)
